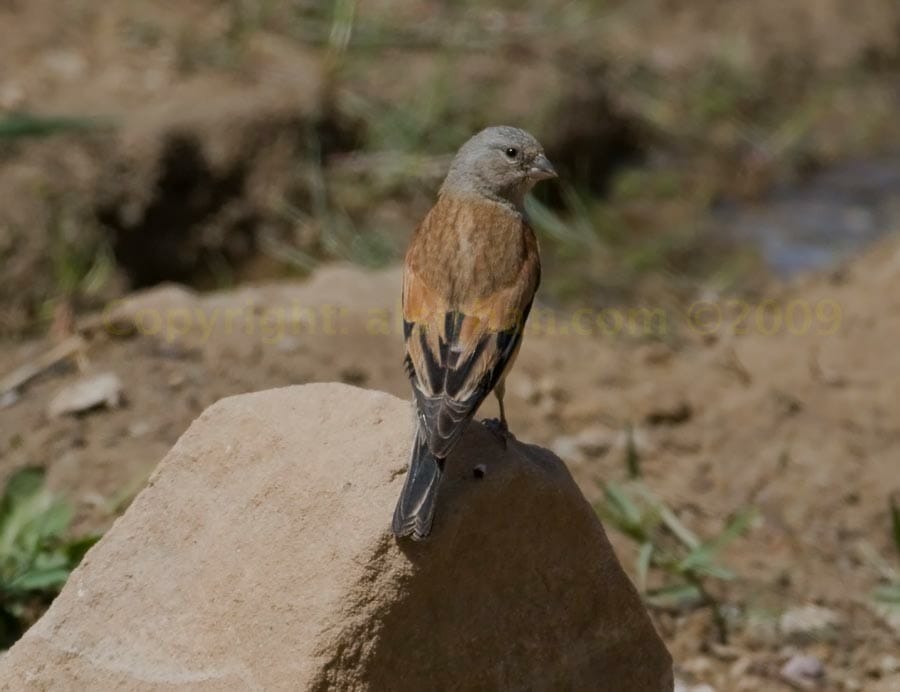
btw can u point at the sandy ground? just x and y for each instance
(788, 405)
(797, 419)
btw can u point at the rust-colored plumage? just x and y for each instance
(470, 276)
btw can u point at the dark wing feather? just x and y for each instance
(454, 358)
(455, 381)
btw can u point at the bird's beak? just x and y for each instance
(542, 169)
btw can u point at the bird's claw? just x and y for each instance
(499, 428)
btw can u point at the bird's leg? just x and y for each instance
(504, 426)
(499, 426)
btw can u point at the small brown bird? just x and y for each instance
(471, 272)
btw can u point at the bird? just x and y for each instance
(469, 279)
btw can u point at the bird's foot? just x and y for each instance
(500, 429)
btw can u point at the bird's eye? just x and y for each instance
(512, 152)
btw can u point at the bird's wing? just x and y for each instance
(456, 355)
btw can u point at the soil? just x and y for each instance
(186, 173)
(788, 404)
(798, 421)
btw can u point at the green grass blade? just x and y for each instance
(679, 530)
(40, 579)
(25, 125)
(701, 558)
(644, 559)
(674, 596)
(888, 594)
(623, 505)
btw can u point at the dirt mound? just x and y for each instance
(267, 526)
(197, 178)
(177, 173)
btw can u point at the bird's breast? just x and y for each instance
(469, 249)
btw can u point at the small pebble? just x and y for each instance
(104, 390)
(9, 398)
(139, 428)
(591, 442)
(803, 670)
(889, 664)
(809, 623)
(682, 686)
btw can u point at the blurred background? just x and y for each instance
(729, 191)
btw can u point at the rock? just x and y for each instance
(260, 557)
(598, 440)
(139, 428)
(87, 393)
(338, 299)
(589, 443)
(762, 629)
(568, 447)
(888, 664)
(889, 614)
(697, 666)
(534, 391)
(803, 671)
(12, 96)
(809, 623)
(682, 686)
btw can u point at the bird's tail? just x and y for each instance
(415, 508)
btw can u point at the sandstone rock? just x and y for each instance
(87, 393)
(803, 671)
(681, 686)
(260, 557)
(810, 623)
(592, 442)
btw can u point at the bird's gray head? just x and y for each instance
(501, 163)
